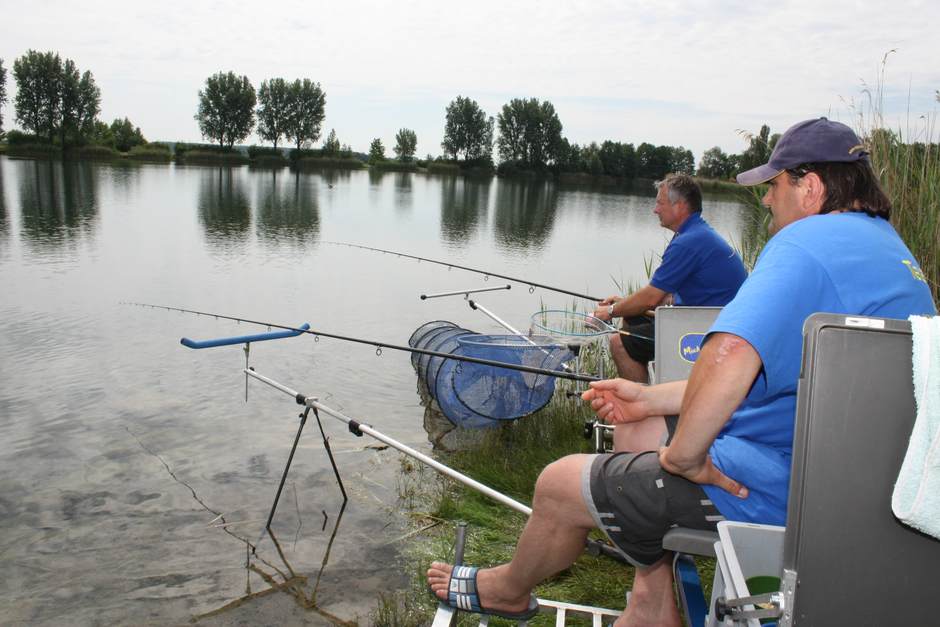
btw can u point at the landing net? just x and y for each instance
(476, 395)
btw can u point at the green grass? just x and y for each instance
(508, 459)
(150, 152)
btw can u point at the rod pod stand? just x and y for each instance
(357, 428)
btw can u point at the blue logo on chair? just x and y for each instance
(689, 346)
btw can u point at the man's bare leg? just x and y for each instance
(627, 367)
(645, 435)
(552, 540)
(652, 600)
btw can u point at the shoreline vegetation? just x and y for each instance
(266, 157)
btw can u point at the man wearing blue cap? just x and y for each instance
(728, 455)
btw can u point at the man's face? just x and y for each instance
(785, 200)
(671, 215)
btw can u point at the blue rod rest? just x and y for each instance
(244, 339)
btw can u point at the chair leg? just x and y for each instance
(689, 585)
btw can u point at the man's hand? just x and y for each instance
(617, 400)
(701, 471)
(602, 307)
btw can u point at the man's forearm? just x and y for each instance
(665, 399)
(639, 302)
(721, 378)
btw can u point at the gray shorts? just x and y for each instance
(635, 502)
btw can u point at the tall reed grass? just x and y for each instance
(907, 162)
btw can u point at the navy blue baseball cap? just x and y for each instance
(812, 141)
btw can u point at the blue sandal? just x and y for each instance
(462, 595)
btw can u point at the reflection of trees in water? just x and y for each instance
(125, 176)
(464, 204)
(224, 209)
(404, 199)
(58, 201)
(525, 213)
(333, 177)
(287, 208)
(4, 226)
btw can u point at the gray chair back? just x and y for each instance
(847, 560)
(679, 333)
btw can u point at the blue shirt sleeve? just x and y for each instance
(679, 262)
(787, 285)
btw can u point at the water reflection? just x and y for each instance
(224, 209)
(464, 205)
(404, 199)
(333, 176)
(4, 227)
(525, 213)
(287, 207)
(125, 177)
(58, 201)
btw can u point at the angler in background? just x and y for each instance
(698, 268)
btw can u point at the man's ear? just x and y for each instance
(814, 193)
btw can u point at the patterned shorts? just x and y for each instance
(635, 502)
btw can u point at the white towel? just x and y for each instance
(916, 498)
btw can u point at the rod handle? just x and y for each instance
(244, 339)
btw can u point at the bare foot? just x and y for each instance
(493, 592)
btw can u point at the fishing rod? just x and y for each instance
(378, 345)
(532, 285)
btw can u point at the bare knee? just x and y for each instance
(558, 491)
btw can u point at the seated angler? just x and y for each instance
(698, 268)
(728, 453)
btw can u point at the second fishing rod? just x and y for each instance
(532, 285)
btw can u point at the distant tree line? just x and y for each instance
(530, 139)
(58, 104)
(715, 164)
(53, 99)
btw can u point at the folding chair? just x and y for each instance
(845, 559)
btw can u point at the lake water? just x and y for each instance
(119, 448)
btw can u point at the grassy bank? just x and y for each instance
(509, 460)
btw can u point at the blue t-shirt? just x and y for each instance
(847, 263)
(699, 267)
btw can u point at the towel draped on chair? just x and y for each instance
(916, 497)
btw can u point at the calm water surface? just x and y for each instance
(119, 447)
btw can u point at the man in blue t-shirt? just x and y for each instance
(698, 268)
(728, 454)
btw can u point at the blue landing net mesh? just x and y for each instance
(475, 395)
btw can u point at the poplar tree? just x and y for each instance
(226, 108)
(274, 110)
(53, 98)
(406, 142)
(467, 130)
(307, 105)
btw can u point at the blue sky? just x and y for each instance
(681, 73)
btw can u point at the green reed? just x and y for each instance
(908, 164)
